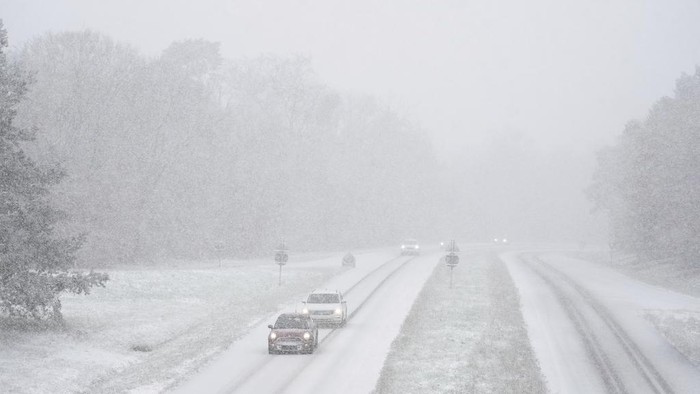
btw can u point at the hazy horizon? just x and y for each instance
(464, 71)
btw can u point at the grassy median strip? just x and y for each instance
(470, 338)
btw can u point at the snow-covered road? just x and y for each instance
(379, 296)
(587, 326)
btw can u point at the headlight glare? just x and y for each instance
(307, 336)
(305, 311)
(273, 336)
(338, 311)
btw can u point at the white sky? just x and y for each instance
(560, 73)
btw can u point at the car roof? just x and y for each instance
(411, 240)
(294, 315)
(324, 291)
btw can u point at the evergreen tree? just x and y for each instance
(34, 263)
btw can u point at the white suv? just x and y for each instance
(326, 306)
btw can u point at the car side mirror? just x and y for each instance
(270, 326)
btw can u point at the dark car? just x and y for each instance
(292, 333)
(348, 260)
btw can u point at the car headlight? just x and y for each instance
(403, 246)
(307, 336)
(338, 311)
(273, 336)
(417, 247)
(305, 311)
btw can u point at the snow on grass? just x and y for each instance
(151, 327)
(684, 278)
(470, 338)
(681, 329)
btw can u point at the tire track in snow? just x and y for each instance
(643, 366)
(593, 348)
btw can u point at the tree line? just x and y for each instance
(188, 154)
(648, 183)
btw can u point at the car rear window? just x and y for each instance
(323, 299)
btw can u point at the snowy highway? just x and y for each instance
(349, 359)
(588, 326)
(588, 329)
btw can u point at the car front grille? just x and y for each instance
(321, 312)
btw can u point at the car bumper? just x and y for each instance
(410, 252)
(290, 346)
(333, 319)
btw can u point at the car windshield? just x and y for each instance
(411, 242)
(286, 321)
(323, 299)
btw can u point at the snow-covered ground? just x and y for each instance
(182, 316)
(513, 322)
(591, 329)
(465, 339)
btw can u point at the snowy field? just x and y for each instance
(468, 339)
(150, 327)
(664, 273)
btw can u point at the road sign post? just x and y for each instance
(218, 248)
(452, 259)
(281, 258)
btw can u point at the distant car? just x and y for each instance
(348, 260)
(292, 333)
(326, 307)
(410, 247)
(500, 240)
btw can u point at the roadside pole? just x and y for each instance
(452, 259)
(218, 249)
(281, 257)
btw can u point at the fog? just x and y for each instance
(485, 196)
(336, 124)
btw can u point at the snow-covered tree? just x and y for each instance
(172, 155)
(649, 182)
(35, 264)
